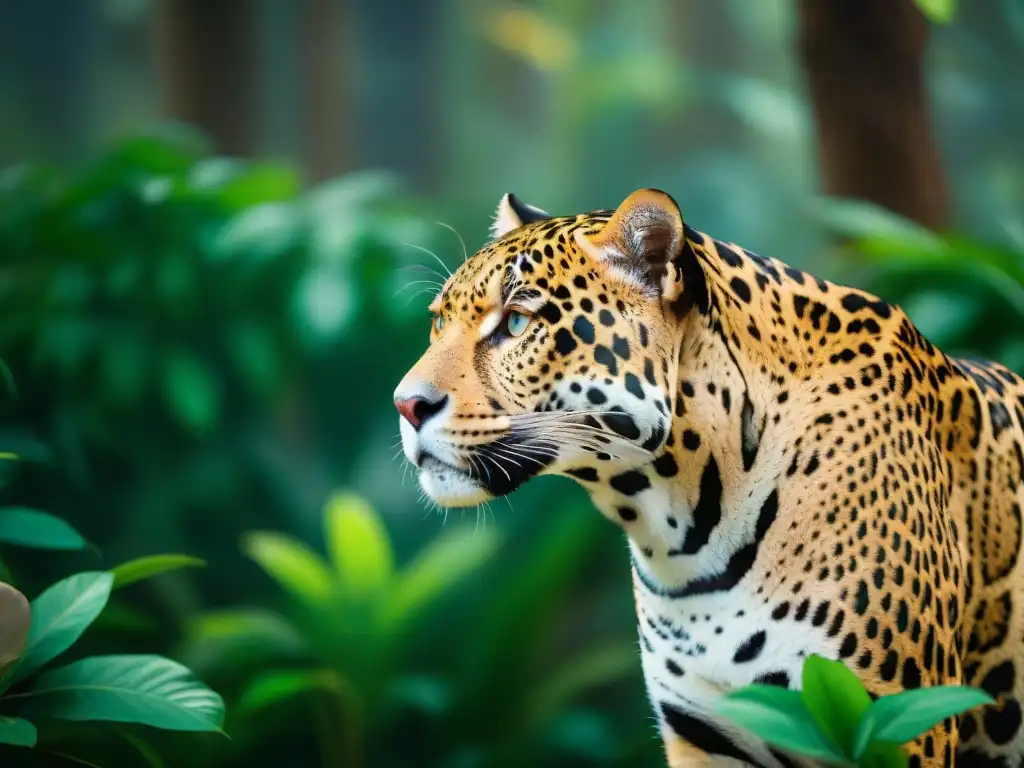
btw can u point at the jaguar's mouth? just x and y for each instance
(450, 486)
(496, 469)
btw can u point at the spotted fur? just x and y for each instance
(797, 468)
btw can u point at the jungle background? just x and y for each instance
(213, 218)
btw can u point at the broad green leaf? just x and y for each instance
(780, 717)
(903, 716)
(59, 617)
(938, 11)
(152, 565)
(291, 564)
(835, 698)
(358, 544)
(444, 562)
(17, 732)
(29, 528)
(191, 391)
(15, 619)
(273, 688)
(151, 690)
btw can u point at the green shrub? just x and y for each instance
(366, 647)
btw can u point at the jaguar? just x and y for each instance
(797, 469)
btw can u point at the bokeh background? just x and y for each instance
(213, 220)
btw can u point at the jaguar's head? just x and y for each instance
(552, 350)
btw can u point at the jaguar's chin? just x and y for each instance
(450, 486)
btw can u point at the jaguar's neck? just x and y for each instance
(712, 493)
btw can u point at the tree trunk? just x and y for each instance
(208, 61)
(864, 65)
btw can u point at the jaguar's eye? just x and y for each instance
(438, 323)
(517, 323)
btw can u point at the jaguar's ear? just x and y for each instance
(643, 236)
(512, 214)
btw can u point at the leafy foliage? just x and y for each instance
(142, 689)
(833, 718)
(165, 294)
(347, 646)
(150, 690)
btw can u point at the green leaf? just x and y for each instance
(15, 619)
(29, 528)
(17, 732)
(444, 562)
(780, 717)
(259, 184)
(292, 565)
(191, 391)
(938, 11)
(861, 219)
(903, 716)
(240, 638)
(359, 547)
(592, 668)
(273, 688)
(835, 698)
(152, 565)
(151, 690)
(59, 617)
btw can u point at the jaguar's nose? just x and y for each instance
(417, 410)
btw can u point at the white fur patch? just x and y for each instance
(505, 219)
(490, 323)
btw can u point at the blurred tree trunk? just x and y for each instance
(322, 52)
(864, 61)
(208, 62)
